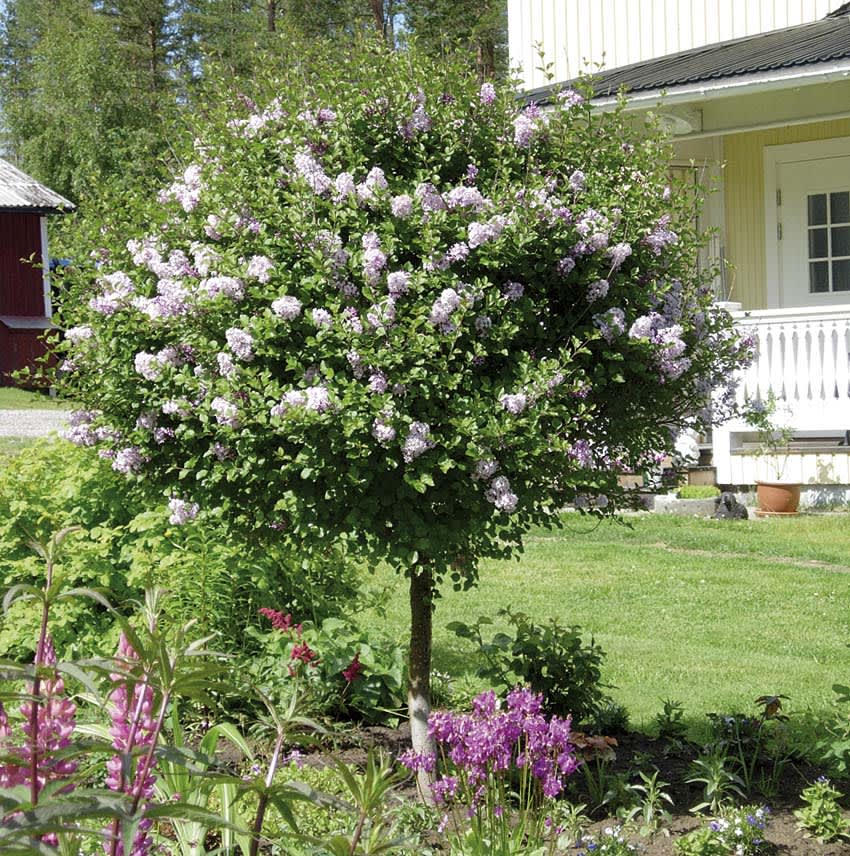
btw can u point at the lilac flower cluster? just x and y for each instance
(499, 493)
(667, 337)
(182, 512)
(418, 441)
(312, 172)
(226, 412)
(241, 343)
(483, 748)
(315, 398)
(527, 125)
(187, 190)
(260, 268)
(442, 309)
(482, 233)
(611, 323)
(287, 307)
(660, 236)
(514, 403)
(382, 429)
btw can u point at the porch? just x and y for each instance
(803, 359)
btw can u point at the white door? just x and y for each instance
(813, 233)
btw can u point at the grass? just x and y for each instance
(710, 613)
(22, 399)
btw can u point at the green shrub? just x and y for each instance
(736, 832)
(821, 816)
(550, 658)
(698, 491)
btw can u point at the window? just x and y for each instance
(829, 241)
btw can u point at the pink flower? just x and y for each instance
(353, 670)
(279, 621)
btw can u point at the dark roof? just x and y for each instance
(827, 40)
(21, 194)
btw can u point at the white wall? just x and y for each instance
(621, 32)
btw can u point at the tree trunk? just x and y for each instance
(486, 60)
(419, 671)
(271, 15)
(377, 7)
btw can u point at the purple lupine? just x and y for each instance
(131, 706)
(55, 720)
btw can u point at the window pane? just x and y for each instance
(839, 204)
(818, 277)
(841, 276)
(818, 247)
(841, 241)
(817, 209)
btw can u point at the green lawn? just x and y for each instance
(710, 613)
(22, 399)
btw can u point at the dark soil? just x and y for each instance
(636, 751)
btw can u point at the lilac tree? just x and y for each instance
(392, 306)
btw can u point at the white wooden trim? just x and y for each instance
(773, 157)
(45, 269)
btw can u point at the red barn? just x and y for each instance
(24, 287)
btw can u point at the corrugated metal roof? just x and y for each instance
(827, 40)
(19, 192)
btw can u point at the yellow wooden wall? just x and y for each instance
(744, 202)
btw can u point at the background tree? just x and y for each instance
(406, 314)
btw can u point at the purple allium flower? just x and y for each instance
(241, 343)
(596, 290)
(397, 282)
(402, 206)
(487, 94)
(514, 403)
(260, 268)
(287, 307)
(181, 511)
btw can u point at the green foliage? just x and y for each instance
(735, 832)
(697, 491)
(610, 841)
(550, 658)
(834, 747)
(720, 784)
(216, 575)
(651, 801)
(821, 816)
(375, 694)
(670, 723)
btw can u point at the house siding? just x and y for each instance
(21, 283)
(744, 203)
(621, 32)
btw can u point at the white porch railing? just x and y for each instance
(803, 359)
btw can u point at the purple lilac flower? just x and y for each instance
(311, 171)
(318, 399)
(418, 441)
(514, 403)
(525, 127)
(485, 469)
(241, 343)
(487, 94)
(226, 366)
(382, 430)
(429, 197)
(381, 315)
(260, 268)
(661, 236)
(226, 413)
(397, 282)
(374, 185)
(182, 512)
(148, 366)
(442, 309)
(513, 291)
(465, 197)
(482, 233)
(228, 286)
(499, 493)
(287, 307)
(458, 252)
(611, 323)
(577, 181)
(402, 206)
(596, 290)
(377, 382)
(321, 317)
(344, 186)
(419, 121)
(581, 452)
(75, 335)
(128, 461)
(374, 260)
(351, 320)
(211, 227)
(570, 97)
(618, 254)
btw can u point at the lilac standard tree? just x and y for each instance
(393, 306)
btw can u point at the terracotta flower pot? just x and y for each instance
(775, 498)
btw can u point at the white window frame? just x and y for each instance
(774, 156)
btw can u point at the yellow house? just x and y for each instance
(757, 97)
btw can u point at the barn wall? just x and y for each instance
(21, 284)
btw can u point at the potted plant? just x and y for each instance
(776, 495)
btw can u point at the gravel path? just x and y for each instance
(31, 423)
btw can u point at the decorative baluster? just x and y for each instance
(829, 360)
(804, 377)
(763, 338)
(777, 380)
(842, 365)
